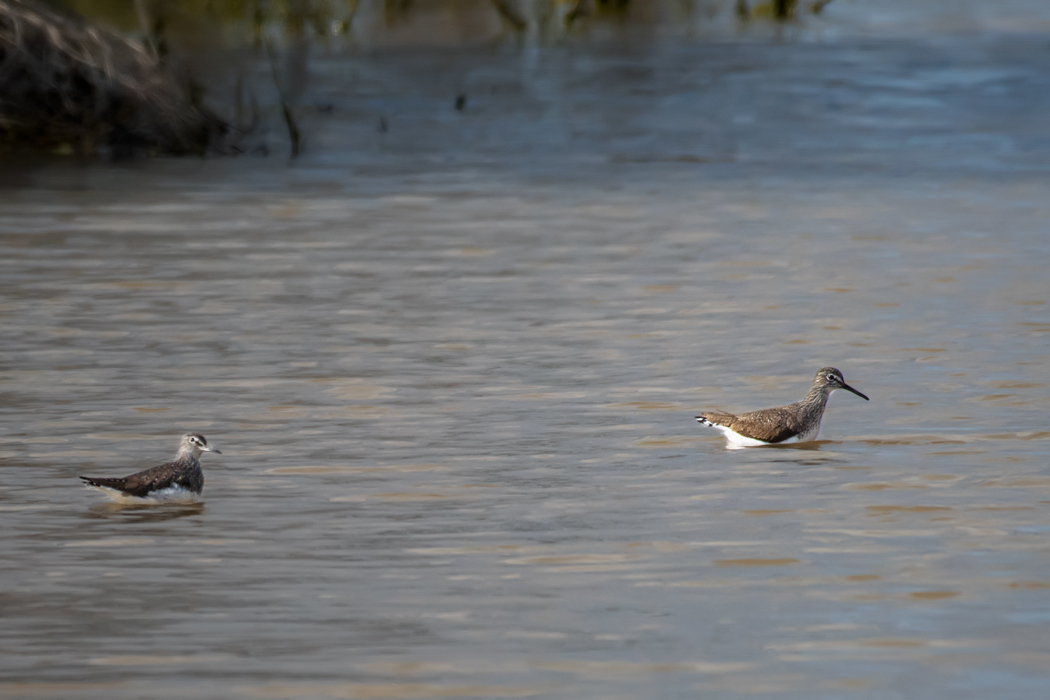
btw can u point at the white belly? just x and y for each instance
(736, 441)
(172, 494)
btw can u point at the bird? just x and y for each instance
(178, 481)
(797, 422)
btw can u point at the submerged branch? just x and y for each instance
(294, 135)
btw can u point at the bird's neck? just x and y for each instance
(188, 453)
(817, 398)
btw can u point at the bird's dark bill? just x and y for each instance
(847, 387)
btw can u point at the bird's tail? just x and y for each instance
(715, 419)
(110, 483)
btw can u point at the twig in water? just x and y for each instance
(286, 108)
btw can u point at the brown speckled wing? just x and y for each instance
(770, 425)
(161, 477)
(154, 479)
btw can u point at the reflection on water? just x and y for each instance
(453, 369)
(143, 513)
(180, 27)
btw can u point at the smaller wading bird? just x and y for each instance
(798, 422)
(178, 481)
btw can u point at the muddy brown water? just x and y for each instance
(453, 368)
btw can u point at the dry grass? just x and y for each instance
(67, 85)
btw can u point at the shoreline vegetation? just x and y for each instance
(69, 87)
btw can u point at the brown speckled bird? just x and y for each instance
(178, 481)
(797, 422)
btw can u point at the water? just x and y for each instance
(453, 369)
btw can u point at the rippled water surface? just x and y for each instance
(453, 366)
